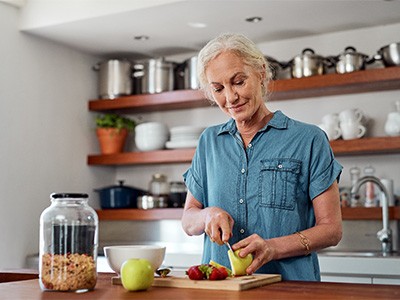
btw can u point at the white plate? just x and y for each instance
(181, 144)
(187, 129)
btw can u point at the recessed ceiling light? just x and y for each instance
(197, 25)
(254, 19)
(141, 37)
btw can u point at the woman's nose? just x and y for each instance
(231, 95)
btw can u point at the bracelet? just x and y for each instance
(305, 242)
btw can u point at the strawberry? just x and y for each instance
(224, 272)
(198, 272)
(215, 273)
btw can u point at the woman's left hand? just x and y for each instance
(259, 248)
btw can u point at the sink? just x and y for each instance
(359, 253)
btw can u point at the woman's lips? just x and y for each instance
(236, 107)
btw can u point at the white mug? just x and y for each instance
(351, 115)
(330, 119)
(352, 130)
(332, 131)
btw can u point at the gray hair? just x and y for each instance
(241, 46)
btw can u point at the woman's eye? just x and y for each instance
(239, 82)
(217, 89)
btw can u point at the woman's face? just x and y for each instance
(235, 87)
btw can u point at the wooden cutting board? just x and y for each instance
(240, 283)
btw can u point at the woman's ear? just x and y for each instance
(263, 74)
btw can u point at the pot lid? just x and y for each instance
(120, 185)
(352, 51)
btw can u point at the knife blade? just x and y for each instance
(229, 246)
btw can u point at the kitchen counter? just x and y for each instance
(29, 289)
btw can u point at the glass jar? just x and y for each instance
(177, 194)
(159, 185)
(68, 244)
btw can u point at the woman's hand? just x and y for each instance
(218, 225)
(260, 249)
(213, 221)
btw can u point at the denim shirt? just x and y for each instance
(267, 187)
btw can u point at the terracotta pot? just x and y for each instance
(111, 140)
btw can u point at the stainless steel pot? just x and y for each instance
(115, 78)
(350, 60)
(149, 202)
(307, 64)
(390, 54)
(190, 74)
(153, 76)
(277, 68)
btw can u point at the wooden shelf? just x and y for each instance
(373, 145)
(140, 158)
(377, 145)
(369, 213)
(314, 86)
(140, 214)
(338, 84)
(348, 213)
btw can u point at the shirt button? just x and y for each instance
(243, 170)
(241, 230)
(280, 166)
(241, 201)
(250, 145)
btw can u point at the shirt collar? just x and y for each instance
(278, 121)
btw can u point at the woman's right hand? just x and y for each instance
(218, 225)
(213, 221)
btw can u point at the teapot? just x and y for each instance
(392, 125)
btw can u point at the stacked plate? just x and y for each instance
(184, 137)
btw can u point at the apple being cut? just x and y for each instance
(238, 264)
(137, 274)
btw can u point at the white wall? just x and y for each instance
(46, 133)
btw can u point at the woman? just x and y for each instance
(262, 181)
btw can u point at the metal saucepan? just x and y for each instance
(277, 68)
(390, 55)
(308, 64)
(350, 60)
(153, 76)
(115, 78)
(149, 202)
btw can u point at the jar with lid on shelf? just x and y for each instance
(159, 185)
(68, 244)
(177, 194)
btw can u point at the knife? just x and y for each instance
(229, 246)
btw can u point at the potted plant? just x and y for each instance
(112, 131)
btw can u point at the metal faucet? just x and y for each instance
(384, 235)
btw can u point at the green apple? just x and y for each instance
(137, 274)
(239, 264)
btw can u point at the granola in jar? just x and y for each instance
(69, 272)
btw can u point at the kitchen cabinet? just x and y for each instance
(356, 269)
(315, 86)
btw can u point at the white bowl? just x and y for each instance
(151, 128)
(150, 142)
(151, 136)
(117, 255)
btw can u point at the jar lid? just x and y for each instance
(68, 195)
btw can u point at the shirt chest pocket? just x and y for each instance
(278, 181)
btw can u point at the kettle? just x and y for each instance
(392, 125)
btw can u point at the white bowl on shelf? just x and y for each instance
(151, 136)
